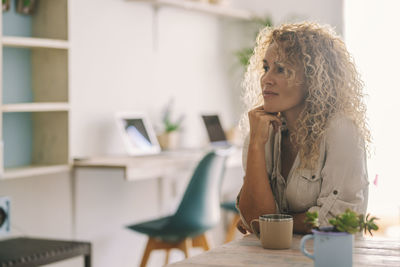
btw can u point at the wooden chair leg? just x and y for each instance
(201, 241)
(166, 256)
(185, 246)
(232, 229)
(147, 251)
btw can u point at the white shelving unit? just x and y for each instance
(35, 107)
(34, 90)
(27, 42)
(199, 6)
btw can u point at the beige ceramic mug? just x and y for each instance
(276, 230)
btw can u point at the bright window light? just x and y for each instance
(372, 36)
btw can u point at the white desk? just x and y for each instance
(154, 166)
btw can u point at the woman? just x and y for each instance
(305, 150)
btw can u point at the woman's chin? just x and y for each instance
(270, 110)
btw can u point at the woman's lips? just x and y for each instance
(268, 94)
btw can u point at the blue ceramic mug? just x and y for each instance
(330, 248)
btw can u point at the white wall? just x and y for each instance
(130, 58)
(325, 12)
(113, 67)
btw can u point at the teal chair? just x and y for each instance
(231, 206)
(198, 212)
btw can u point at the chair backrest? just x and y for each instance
(200, 205)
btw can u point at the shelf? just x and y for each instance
(34, 75)
(35, 107)
(204, 7)
(35, 139)
(34, 91)
(34, 170)
(29, 42)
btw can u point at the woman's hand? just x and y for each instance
(240, 226)
(259, 125)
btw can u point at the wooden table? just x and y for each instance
(248, 252)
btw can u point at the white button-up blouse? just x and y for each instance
(338, 181)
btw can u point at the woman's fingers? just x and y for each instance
(265, 117)
(276, 125)
(260, 122)
(240, 226)
(259, 108)
(261, 112)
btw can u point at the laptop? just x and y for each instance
(215, 132)
(137, 133)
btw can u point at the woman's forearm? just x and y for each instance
(256, 197)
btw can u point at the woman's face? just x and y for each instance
(280, 94)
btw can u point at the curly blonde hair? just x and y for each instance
(330, 76)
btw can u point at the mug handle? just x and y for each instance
(253, 228)
(302, 244)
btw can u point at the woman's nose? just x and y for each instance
(267, 78)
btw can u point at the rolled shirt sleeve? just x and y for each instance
(344, 175)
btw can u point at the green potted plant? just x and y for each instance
(26, 7)
(6, 5)
(349, 222)
(333, 245)
(243, 55)
(169, 136)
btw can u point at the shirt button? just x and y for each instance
(335, 192)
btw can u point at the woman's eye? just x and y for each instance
(280, 70)
(266, 68)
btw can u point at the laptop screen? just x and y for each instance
(137, 133)
(214, 128)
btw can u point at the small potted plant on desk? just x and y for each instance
(333, 245)
(26, 7)
(169, 137)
